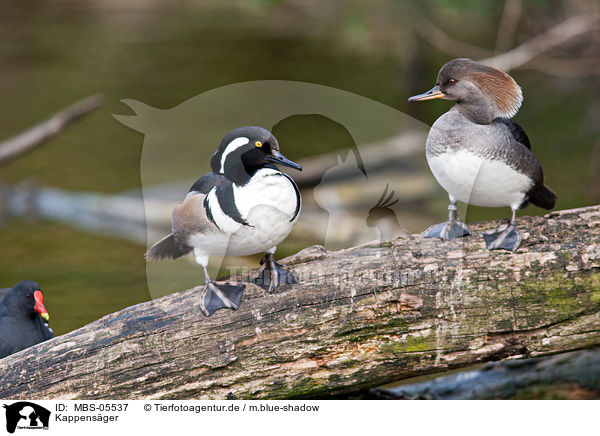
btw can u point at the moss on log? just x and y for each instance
(359, 318)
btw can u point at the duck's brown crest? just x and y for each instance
(501, 89)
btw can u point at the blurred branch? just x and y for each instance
(445, 43)
(396, 152)
(36, 135)
(508, 24)
(589, 6)
(115, 215)
(553, 37)
(566, 67)
(527, 53)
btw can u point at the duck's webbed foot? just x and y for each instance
(271, 274)
(449, 230)
(219, 295)
(506, 237)
(453, 228)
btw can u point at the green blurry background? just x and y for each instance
(163, 53)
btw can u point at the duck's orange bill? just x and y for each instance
(39, 305)
(429, 95)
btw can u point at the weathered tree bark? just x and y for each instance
(574, 375)
(359, 318)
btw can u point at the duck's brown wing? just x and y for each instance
(188, 218)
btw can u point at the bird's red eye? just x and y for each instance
(451, 82)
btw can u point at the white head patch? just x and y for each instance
(232, 146)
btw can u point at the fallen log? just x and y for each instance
(358, 318)
(565, 376)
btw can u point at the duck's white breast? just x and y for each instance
(270, 188)
(479, 182)
(268, 203)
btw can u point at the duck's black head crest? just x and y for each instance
(243, 137)
(244, 151)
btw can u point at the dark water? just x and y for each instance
(52, 55)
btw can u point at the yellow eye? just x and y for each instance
(258, 144)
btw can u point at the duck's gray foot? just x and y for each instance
(271, 274)
(219, 295)
(506, 237)
(449, 230)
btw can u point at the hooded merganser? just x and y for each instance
(23, 318)
(244, 206)
(478, 154)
